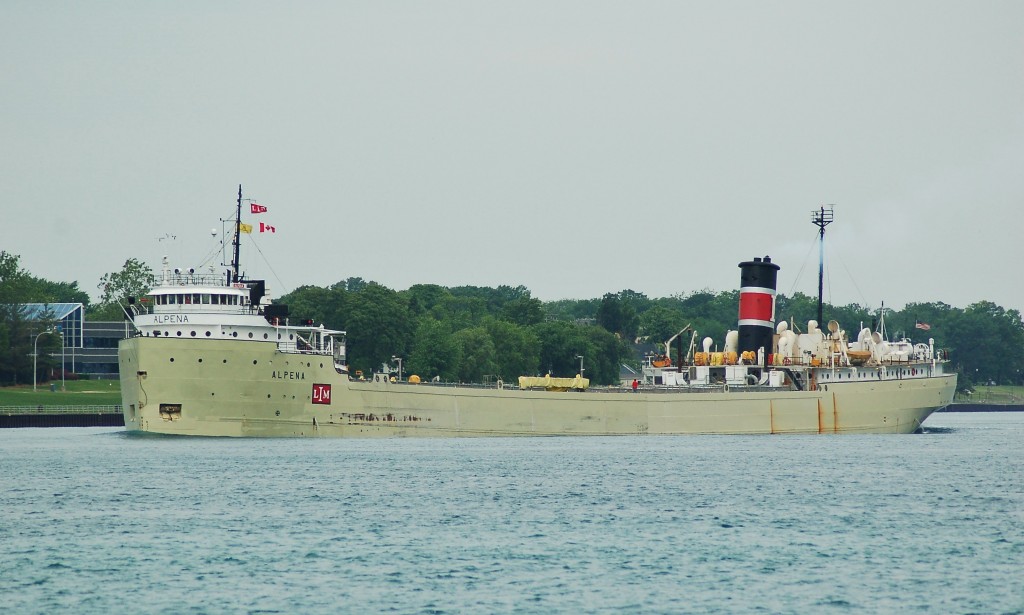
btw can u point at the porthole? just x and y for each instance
(207, 334)
(278, 336)
(321, 366)
(172, 359)
(200, 360)
(291, 336)
(179, 333)
(193, 334)
(166, 334)
(268, 395)
(265, 336)
(254, 361)
(225, 361)
(234, 334)
(250, 335)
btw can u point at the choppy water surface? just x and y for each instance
(95, 521)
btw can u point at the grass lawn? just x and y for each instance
(76, 393)
(993, 395)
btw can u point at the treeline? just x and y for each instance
(476, 334)
(463, 334)
(470, 333)
(20, 331)
(20, 335)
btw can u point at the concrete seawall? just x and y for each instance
(983, 408)
(61, 416)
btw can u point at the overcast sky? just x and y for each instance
(575, 148)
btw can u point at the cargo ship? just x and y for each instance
(210, 355)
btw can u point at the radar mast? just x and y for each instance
(238, 240)
(821, 218)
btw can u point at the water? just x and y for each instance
(95, 521)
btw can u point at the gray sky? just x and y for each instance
(576, 148)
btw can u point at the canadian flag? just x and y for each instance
(257, 209)
(266, 228)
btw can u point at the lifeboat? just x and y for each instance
(858, 357)
(661, 361)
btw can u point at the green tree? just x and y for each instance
(378, 327)
(618, 316)
(17, 333)
(937, 316)
(560, 344)
(476, 354)
(435, 353)
(494, 299)
(59, 292)
(636, 300)
(571, 309)
(603, 353)
(424, 298)
(134, 280)
(516, 350)
(353, 284)
(15, 282)
(322, 305)
(660, 323)
(523, 311)
(462, 311)
(988, 343)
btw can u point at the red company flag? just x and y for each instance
(266, 228)
(922, 326)
(257, 209)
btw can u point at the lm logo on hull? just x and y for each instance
(321, 394)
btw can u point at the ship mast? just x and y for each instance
(238, 240)
(821, 219)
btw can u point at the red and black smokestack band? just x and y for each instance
(757, 304)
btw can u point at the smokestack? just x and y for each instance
(757, 304)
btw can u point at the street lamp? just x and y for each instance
(63, 345)
(35, 355)
(399, 361)
(580, 357)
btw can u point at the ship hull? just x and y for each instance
(247, 388)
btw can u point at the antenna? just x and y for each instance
(237, 241)
(821, 218)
